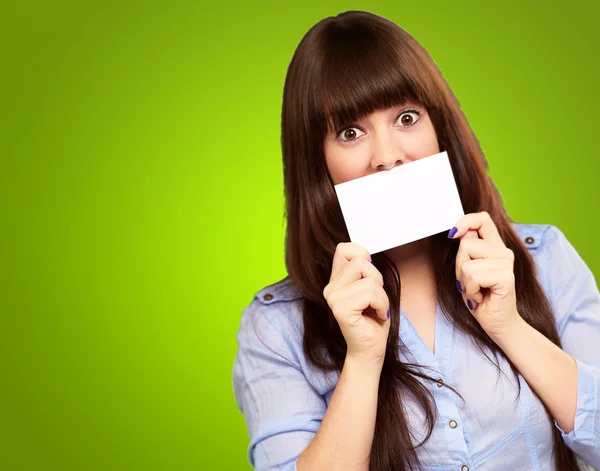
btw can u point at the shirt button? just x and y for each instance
(453, 424)
(440, 383)
(268, 297)
(530, 240)
(464, 468)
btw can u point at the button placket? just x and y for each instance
(440, 364)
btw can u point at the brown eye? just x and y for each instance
(349, 134)
(408, 118)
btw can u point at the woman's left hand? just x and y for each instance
(484, 272)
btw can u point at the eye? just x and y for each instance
(349, 134)
(409, 117)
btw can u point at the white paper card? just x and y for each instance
(394, 207)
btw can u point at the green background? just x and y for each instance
(142, 198)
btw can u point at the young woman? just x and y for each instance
(473, 350)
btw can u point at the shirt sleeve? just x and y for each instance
(576, 302)
(282, 409)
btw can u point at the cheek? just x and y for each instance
(345, 166)
(345, 171)
(424, 143)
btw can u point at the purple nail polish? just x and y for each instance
(469, 304)
(459, 286)
(388, 314)
(452, 232)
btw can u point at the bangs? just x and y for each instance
(363, 72)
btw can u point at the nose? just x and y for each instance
(386, 153)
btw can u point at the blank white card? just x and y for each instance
(394, 207)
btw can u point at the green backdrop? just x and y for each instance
(142, 198)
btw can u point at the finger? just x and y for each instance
(478, 274)
(344, 253)
(350, 301)
(472, 296)
(488, 273)
(471, 290)
(354, 270)
(471, 304)
(472, 249)
(494, 274)
(463, 255)
(351, 272)
(480, 222)
(381, 304)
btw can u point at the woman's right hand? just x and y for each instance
(359, 303)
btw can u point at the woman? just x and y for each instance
(442, 354)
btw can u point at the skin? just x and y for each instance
(484, 269)
(484, 265)
(380, 141)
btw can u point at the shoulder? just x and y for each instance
(274, 320)
(280, 303)
(275, 311)
(545, 243)
(535, 236)
(566, 278)
(547, 246)
(281, 292)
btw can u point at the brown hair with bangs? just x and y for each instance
(344, 68)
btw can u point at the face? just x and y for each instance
(380, 141)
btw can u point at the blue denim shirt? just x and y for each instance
(284, 398)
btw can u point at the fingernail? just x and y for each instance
(452, 232)
(470, 304)
(459, 286)
(371, 261)
(388, 314)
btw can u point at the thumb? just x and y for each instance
(471, 234)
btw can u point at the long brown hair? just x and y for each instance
(344, 68)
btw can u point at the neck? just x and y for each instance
(414, 255)
(415, 265)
